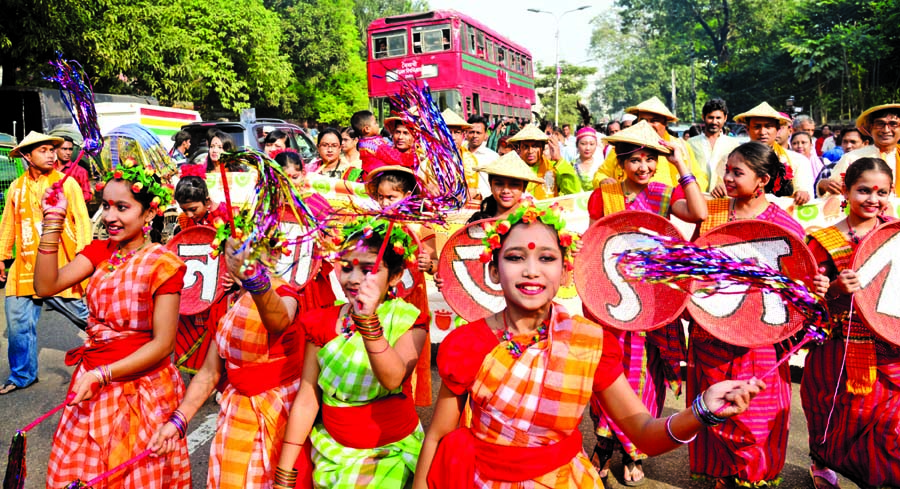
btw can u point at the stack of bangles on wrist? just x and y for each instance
(180, 422)
(703, 414)
(685, 180)
(285, 478)
(368, 326)
(103, 374)
(53, 224)
(258, 283)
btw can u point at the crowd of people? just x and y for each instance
(319, 393)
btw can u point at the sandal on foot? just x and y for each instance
(826, 475)
(631, 467)
(10, 387)
(601, 456)
(724, 484)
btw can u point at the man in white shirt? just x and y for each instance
(712, 147)
(483, 155)
(882, 123)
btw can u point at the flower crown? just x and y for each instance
(141, 178)
(352, 235)
(529, 212)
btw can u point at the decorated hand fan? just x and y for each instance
(609, 295)
(468, 288)
(203, 284)
(879, 279)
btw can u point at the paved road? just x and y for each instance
(56, 335)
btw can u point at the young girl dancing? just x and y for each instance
(751, 449)
(358, 356)
(859, 437)
(124, 384)
(528, 373)
(653, 358)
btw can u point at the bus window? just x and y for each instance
(447, 99)
(480, 43)
(476, 104)
(501, 56)
(431, 39)
(471, 37)
(490, 50)
(389, 44)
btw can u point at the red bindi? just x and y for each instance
(530, 246)
(355, 262)
(875, 187)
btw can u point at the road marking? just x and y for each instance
(203, 434)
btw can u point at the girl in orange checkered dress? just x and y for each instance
(528, 372)
(124, 384)
(258, 352)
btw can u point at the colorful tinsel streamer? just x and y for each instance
(670, 260)
(440, 177)
(78, 95)
(257, 223)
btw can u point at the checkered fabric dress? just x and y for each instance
(539, 398)
(249, 429)
(117, 423)
(753, 445)
(346, 379)
(862, 438)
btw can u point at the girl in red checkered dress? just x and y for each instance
(529, 371)
(124, 384)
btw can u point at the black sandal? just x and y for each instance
(629, 465)
(602, 454)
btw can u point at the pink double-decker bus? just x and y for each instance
(470, 68)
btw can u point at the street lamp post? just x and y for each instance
(558, 71)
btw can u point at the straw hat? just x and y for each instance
(654, 106)
(641, 134)
(377, 168)
(510, 165)
(33, 139)
(452, 119)
(391, 123)
(863, 122)
(529, 133)
(763, 111)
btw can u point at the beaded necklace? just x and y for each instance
(856, 238)
(347, 327)
(119, 258)
(515, 348)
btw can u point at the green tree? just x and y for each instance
(32, 31)
(329, 74)
(366, 11)
(841, 48)
(573, 81)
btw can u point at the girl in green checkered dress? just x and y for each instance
(359, 357)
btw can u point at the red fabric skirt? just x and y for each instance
(862, 438)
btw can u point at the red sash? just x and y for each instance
(460, 452)
(254, 379)
(113, 351)
(375, 424)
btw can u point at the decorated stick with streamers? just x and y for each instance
(77, 484)
(78, 95)
(227, 198)
(16, 469)
(384, 243)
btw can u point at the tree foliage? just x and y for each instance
(366, 11)
(294, 58)
(572, 81)
(832, 55)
